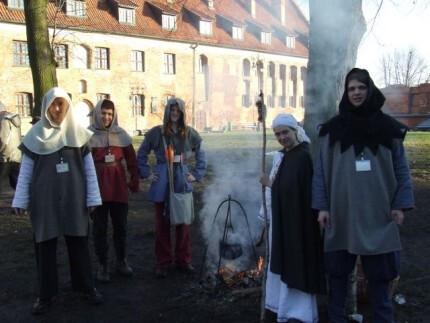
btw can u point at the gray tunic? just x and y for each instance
(360, 202)
(58, 200)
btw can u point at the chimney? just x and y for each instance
(282, 11)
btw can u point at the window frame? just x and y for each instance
(126, 16)
(15, 4)
(24, 103)
(76, 8)
(101, 58)
(137, 105)
(290, 41)
(137, 63)
(63, 55)
(266, 37)
(238, 32)
(20, 53)
(169, 63)
(205, 27)
(169, 22)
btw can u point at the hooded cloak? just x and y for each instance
(114, 135)
(363, 126)
(46, 137)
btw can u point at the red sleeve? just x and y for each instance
(131, 161)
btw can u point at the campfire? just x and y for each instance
(248, 278)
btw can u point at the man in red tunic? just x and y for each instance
(111, 145)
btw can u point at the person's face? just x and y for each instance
(58, 109)
(357, 92)
(286, 136)
(175, 113)
(107, 117)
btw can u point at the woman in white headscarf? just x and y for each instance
(296, 271)
(58, 184)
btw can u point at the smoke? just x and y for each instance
(233, 220)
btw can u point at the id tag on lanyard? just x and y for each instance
(109, 158)
(362, 166)
(62, 168)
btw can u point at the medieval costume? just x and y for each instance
(110, 146)
(361, 176)
(296, 271)
(58, 183)
(185, 141)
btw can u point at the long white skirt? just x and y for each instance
(289, 303)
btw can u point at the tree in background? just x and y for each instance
(403, 67)
(42, 58)
(335, 32)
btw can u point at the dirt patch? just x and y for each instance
(179, 297)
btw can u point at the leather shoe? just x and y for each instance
(161, 272)
(187, 268)
(41, 306)
(123, 267)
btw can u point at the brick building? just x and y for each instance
(409, 105)
(215, 54)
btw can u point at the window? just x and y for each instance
(203, 64)
(61, 56)
(167, 97)
(246, 67)
(169, 22)
(154, 104)
(292, 101)
(101, 58)
(16, 4)
(137, 105)
(23, 104)
(82, 86)
(211, 4)
(76, 8)
(126, 15)
(169, 63)
(102, 96)
(237, 32)
(82, 60)
(291, 41)
(205, 27)
(137, 61)
(265, 37)
(20, 54)
(246, 98)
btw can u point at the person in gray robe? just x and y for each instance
(362, 187)
(58, 185)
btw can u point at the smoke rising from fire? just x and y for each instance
(236, 174)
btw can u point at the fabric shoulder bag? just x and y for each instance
(180, 205)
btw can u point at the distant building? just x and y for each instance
(409, 105)
(215, 54)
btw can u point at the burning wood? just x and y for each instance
(234, 278)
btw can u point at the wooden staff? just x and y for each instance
(262, 118)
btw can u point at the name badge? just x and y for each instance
(362, 166)
(109, 158)
(62, 168)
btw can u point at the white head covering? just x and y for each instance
(105, 137)
(2, 107)
(46, 137)
(288, 120)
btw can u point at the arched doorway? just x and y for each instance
(82, 111)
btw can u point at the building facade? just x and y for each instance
(409, 105)
(216, 55)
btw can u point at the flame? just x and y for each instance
(260, 264)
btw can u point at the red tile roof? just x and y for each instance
(101, 17)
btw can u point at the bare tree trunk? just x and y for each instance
(336, 29)
(42, 59)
